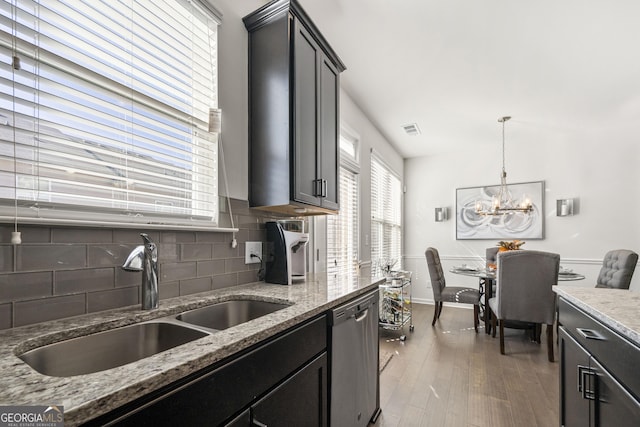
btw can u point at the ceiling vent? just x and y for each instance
(411, 129)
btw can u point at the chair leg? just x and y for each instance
(550, 342)
(440, 309)
(493, 324)
(476, 313)
(435, 313)
(501, 336)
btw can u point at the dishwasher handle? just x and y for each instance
(354, 308)
(361, 316)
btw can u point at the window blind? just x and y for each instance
(342, 229)
(386, 217)
(105, 110)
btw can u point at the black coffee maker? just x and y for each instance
(286, 254)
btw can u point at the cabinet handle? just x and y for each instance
(590, 334)
(585, 383)
(324, 188)
(257, 423)
(317, 187)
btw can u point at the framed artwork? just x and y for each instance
(513, 225)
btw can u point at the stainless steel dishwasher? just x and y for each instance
(355, 398)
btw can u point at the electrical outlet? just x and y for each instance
(252, 248)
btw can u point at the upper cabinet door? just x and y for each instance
(293, 130)
(329, 145)
(306, 59)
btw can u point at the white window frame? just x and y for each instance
(349, 169)
(386, 215)
(26, 196)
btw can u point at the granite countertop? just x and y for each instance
(87, 396)
(618, 309)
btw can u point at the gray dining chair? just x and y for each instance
(617, 269)
(491, 255)
(524, 292)
(443, 293)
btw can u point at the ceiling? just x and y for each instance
(454, 67)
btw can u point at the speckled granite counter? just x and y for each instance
(618, 309)
(86, 396)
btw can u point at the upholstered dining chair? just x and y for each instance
(524, 291)
(491, 255)
(617, 269)
(443, 293)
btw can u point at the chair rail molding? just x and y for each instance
(478, 258)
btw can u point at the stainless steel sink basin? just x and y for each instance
(226, 314)
(109, 349)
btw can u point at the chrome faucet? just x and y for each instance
(145, 258)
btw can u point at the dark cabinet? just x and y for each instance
(293, 112)
(598, 379)
(300, 400)
(289, 371)
(574, 408)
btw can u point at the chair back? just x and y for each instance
(491, 255)
(435, 273)
(617, 269)
(524, 286)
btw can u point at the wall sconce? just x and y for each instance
(564, 207)
(442, 214)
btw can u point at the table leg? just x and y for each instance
(486, 285)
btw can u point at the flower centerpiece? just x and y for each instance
(503, 246)
(510, 246)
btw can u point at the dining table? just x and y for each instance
(487, 280)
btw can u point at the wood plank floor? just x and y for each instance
(447, 375)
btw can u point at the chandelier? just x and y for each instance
(503, 203)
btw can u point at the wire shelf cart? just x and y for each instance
(395, 302)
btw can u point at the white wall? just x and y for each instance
(600, 170)
(233, 100)
(233, 92)
(370, 137)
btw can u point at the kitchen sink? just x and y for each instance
(105, 350)
(226, 314)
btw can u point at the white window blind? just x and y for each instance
(342, 229)
(386, 217)
(106, 115)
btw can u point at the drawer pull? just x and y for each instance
(590, 334)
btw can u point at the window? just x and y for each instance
(105, 111)
(343, 229)
(386, 217)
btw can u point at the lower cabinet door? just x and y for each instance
(574, 384)
(242, 420)
(299, 401)
(615, 406)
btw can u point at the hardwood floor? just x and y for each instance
(447, 375)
